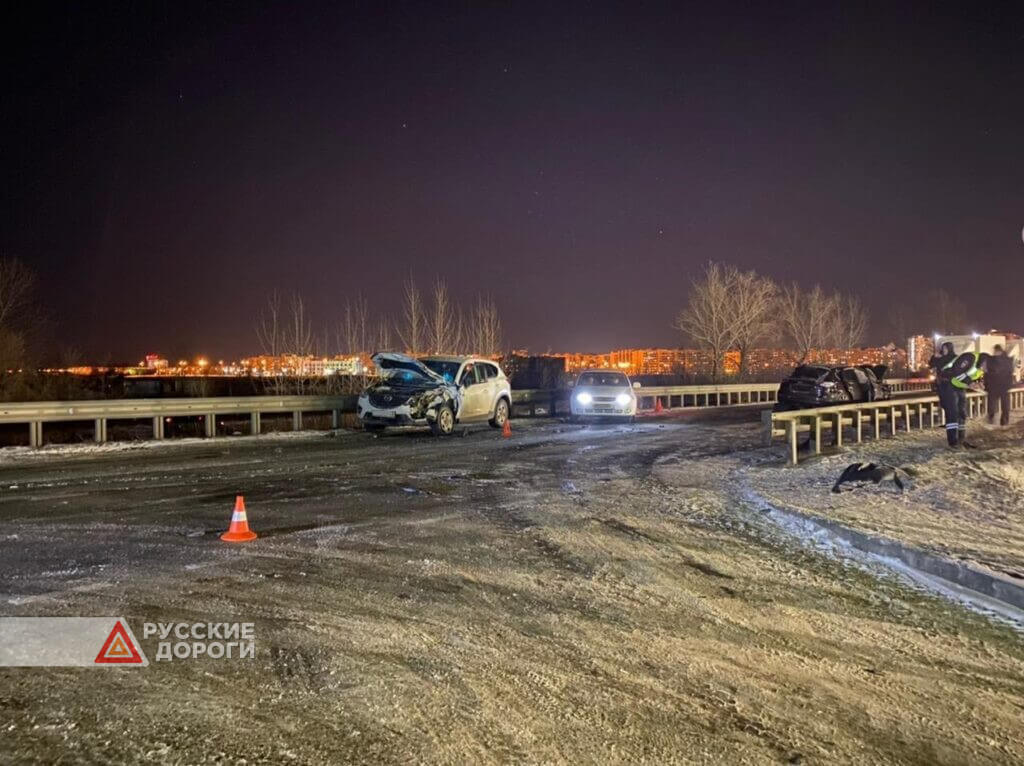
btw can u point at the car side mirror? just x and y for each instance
(636, 384)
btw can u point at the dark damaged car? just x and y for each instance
(438, 392)
(823, 386)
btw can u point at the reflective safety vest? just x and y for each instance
(964, 370)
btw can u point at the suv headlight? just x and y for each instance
(584, 398)
(623, 399)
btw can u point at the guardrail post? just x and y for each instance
(858, 423)
(791, 440)
(892, 421)
(816, 432)
(297, 420)
(335, 419)
(837, 430)
(35, 433)
(210, 423)
(158, 427)
(906, 417)
(99, 433)
(254, 423)
(876, 419)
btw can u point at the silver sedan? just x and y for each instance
(603, 394)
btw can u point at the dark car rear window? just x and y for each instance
(810, 371)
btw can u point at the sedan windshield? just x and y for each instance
(616, 379)
(447, 370)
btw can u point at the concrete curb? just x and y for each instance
(959, 573)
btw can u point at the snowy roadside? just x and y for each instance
(964, 504)
(9, 455)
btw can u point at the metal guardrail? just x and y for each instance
(554, 402)
(35, 414)
(533, 401)
(926, 409)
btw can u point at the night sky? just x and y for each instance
(167, 165)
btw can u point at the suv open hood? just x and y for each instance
(391, 361)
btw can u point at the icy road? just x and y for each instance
(569, 595)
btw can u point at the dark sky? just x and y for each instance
(167, 165)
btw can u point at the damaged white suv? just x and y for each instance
(437, 391)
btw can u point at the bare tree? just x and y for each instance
(485, 328)
(17, 282)
(298, 333)
(899, 323)
(443, 325)
(412, 330)
(384, 334)
(806, 316)
(268, 326)
(285, 333)
(354, 331)
(754, 303)
(709, 318)
(12, 351)
(849, 321)
(948, 313)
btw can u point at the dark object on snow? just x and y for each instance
(820, 386)
(864, 472)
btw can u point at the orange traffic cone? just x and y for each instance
(239, 531)
(506, 430)
(657, 405)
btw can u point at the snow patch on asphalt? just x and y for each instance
(21, 454)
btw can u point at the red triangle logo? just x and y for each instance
(119, 648)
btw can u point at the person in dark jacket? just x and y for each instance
(952, 400)
(998, 381)
(954, 376)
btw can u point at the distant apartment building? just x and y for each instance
(685, 361)
(305, 366)
(920, 349)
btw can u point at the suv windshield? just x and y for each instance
(602, 379)
(446, 369)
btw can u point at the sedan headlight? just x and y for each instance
(584, 398)
(623, 399)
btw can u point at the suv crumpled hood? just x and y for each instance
(392, 361)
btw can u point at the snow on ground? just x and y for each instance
(85, 449)
(965, 504)
(570, 595)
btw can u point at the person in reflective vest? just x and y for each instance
(955, 377)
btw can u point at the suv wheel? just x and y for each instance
(444, 423)
(500, 413)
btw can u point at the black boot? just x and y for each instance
(952, 437)
(962, 438)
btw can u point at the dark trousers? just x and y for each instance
(954, 405)
(999, 400)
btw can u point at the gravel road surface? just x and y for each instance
(569, 595)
